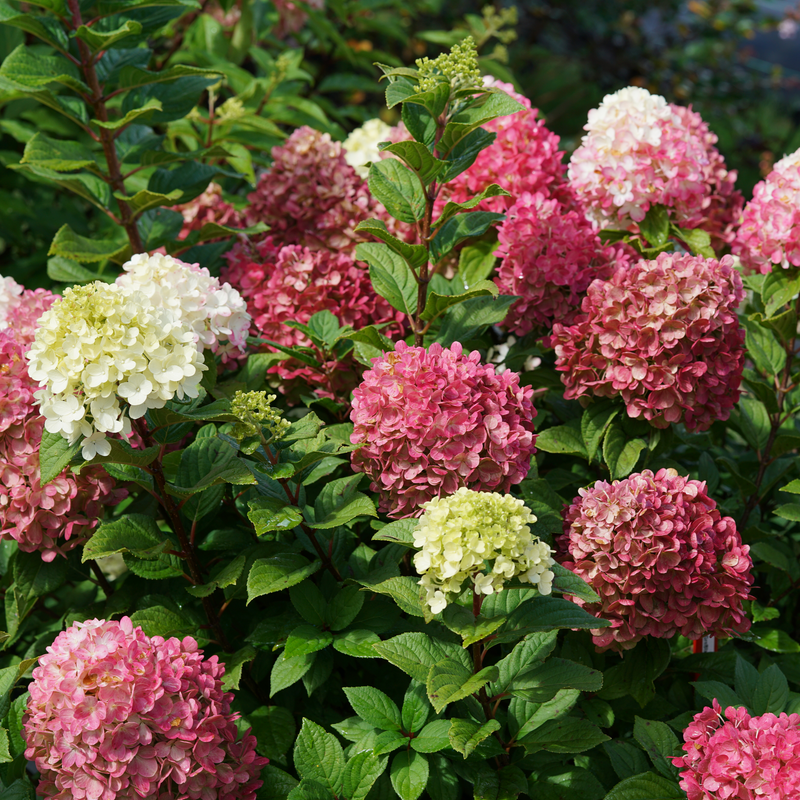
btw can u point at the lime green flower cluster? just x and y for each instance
(482, 536)
(254, 412)
(459, 67)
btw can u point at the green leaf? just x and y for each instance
(403, 589)
(532, 649)
(136, 534)
(131, 77)
(416, 708)
(565, 735)
(570, 584)
(780, 286)
(626, 759)
(318, 756)
(433, 101)
(594, 424)
(547, 613)
(793, 487)
(418, 158)
(472, 317)
(506, 783)
(790, 511)
(160, 621)
(62, 270)
(375, 707)
(433, 737)
(714, 690)
(471, 629)
(55, 453)
(104, 41)
(35, 577)
(697, 240)
(144, 200)
(400, 531)
(655, 225)
(416, 653)
(71, 245)
(274, 729)
(772, 691)
(619, 452)
(58, 155)
(287, 671)
(234, 664)
(764, 348)
(452, 208)
(227, 576)
(463, 155)
(437, 304)
(775, 640)
(660, 743)
(635, 675)
(457, 229)
(306, 639)
(496, 104)
(647, 786)
(541, 683)
(146, 110)
(269, 575)
(562, 439)
(123, 453)
(206, 462)
(24, 71)
(466, 735)
(448, 681)
(360, 773)
(398, 189)
(566, 782)
(391, 276)
(344, 607)
(409, 774)
(269, 514)
(754, 422)
(476, 262)
(339, 503)
(414, 254)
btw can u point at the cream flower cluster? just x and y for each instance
(361, 146)
(468, 532)
(10, 291)
(215, 312)
(101, 344)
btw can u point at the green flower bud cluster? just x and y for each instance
(254, 411)
(459, 67)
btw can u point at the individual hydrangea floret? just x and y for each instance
(310, 195)
(550, 254)
(770, 231)
(432, 421)
(206, 208)
(10, 291)
(740, 757)
(114, 714)
(661, 557)
(361, 146)
(479, 536)
(103, 344)
(664, 336)
(459, 67)
(254, 411)
(291, 284)
(215, 312)
(639, 151)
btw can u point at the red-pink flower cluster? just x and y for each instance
(292, 17)
(640, 151)
(291, 284)
(664, 336)
(660, 556)
(58, 517)
(550, 254)
(114, 714)
(434, 420)
(739, 757)
(770, 230)
(310, 195)
(208, 207)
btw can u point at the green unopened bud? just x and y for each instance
(254, 412)
(459, 68)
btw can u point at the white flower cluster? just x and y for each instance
(361, 146)
(215, 312)
(10, 290)
(468, 532)
(101, 343)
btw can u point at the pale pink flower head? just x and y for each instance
(292, 17)
(10, 291)
(60, 516)
(740, 757)
(432, 421)
(770, 231)
(664, 336)
(292, 283)
(660, 556)
(550, 254)
(639, 151)
(310, 195)
(208, 206)
(114, 714)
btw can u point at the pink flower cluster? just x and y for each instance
(58, 517)
(292, 17)
(208, 207)
(434, 420)
(664, 336)
(660, 556)
(292, 283)
(116, 715)
(640, 151)
(739, 757)
(550, 254)
(770, 230)
(310, 195)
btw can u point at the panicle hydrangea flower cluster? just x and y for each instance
(254, 411)
(463, 535)
(10, 291)
(660, 556)
(639, 151)
(739, 757)
(208, 207)
(664, 336)
(291, 17)
(550, 254)
(291, 284)
(215, 312)
(459, 66)
(58, 517)
(116, 715)
(361, 146)
(432, 421)
(310, 195)
(770, 231)
(103, 342)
